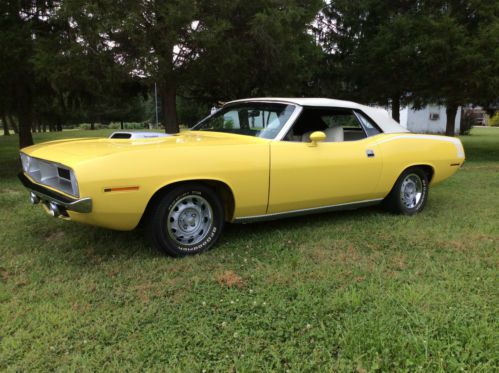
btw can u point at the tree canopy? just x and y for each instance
(70, 61)
(416, 52)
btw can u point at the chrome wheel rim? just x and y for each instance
(190, 220)
(411, 191)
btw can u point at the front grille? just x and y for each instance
(51, 174)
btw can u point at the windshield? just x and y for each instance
(259, 119)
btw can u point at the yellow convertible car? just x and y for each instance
(251, 160)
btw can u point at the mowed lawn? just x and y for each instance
(363, 290)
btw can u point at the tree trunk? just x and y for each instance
(92, 126)
(396, 108)
(450, 111)
(63, 117)
(121, 124)
(169, 108)
(5, 126)
(24, 111)
(25, 136)
(12, 123)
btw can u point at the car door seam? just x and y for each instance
(270, 173)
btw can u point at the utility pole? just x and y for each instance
(156, 103)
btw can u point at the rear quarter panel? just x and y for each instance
(400, 151)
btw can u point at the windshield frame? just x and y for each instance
(282, 132)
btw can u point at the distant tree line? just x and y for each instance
(71, 61)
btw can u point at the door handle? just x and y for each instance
(370, 153)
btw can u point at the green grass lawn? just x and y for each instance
(363, 290)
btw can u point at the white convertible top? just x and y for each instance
(387, 124)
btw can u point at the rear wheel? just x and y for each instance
(410, 192)
(187, 220)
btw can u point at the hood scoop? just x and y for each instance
(137, 135)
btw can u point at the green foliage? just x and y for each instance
(191, 111)
(84, 126)
(209, 50)
(467, 123)
(87, 126)
(135, 125)
(262, 48)
(494, 120)
(114, 126)
(52, 74)
(70, 61)
(372, 44)
(229, 124)
(347, 291)
(414, 52)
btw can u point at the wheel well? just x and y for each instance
(223, 191)
(427, 169)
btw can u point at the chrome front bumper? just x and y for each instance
(83, 205)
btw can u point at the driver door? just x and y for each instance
(331, 173)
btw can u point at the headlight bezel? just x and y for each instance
(48, 173)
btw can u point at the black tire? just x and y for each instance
(169, 229)
(398, 202)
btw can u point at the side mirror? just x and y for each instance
(316, 137)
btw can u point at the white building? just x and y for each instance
(430, 119)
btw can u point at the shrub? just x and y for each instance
(128, 125)
(494, 120)
(135, 125)
(87, 126)
(467, 122)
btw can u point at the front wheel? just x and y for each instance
(410, 192)
(187, 220)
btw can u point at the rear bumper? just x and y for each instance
(83, 205)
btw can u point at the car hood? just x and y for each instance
(70, 152)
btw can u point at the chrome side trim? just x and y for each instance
(313, 210)
(287, 126)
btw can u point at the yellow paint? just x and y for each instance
(327, 174)
(316, 137)
(264, 176)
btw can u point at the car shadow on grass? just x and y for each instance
(297, 227)
(86, 245)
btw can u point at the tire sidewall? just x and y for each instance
(424, 197)
(158, 224)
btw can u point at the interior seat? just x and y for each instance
(333, 134)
